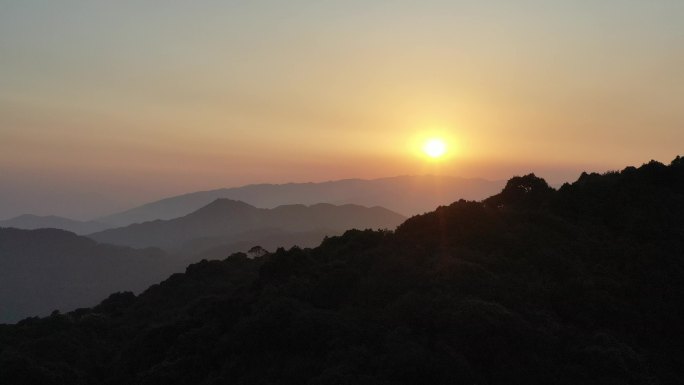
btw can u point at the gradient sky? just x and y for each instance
(104, 104)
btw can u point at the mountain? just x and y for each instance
(48, 269)
(51, 198)
(408, 195)
(226, 221)
(32, 222)
(580, 285)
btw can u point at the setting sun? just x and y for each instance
(435, 148)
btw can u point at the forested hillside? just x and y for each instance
(580, 285)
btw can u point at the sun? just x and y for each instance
(435, 148)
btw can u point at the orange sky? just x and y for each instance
(137, 101)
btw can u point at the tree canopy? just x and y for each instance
(580, 285)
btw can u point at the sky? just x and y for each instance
(108, 104)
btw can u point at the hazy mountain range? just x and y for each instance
(32, 222)
(225, 221)
(47, 269)
(407, 195)
(580, 285)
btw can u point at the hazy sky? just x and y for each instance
(108, 103)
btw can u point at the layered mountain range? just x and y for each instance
(579, 285)
(228, 220)
(407, 195)
(47, 269)
(32, 222)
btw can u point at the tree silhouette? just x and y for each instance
(583, 285)
(528, 191)
(256, 252)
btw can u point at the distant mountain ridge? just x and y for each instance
(407, 195)
(47, 269)
(534, 285)
(32, 222)
(228, 220)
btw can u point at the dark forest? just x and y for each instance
(578, 285)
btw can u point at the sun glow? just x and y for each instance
(435, 148)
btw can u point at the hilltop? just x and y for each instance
(580, 285)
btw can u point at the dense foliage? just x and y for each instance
(581, 285)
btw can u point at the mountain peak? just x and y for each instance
(223, 205)
(229, 203)
(407, 195)
(231, 219)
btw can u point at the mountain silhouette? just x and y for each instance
(47, 269)
(407, 195)
(225, 221)
(32, 222)
(580, 285)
